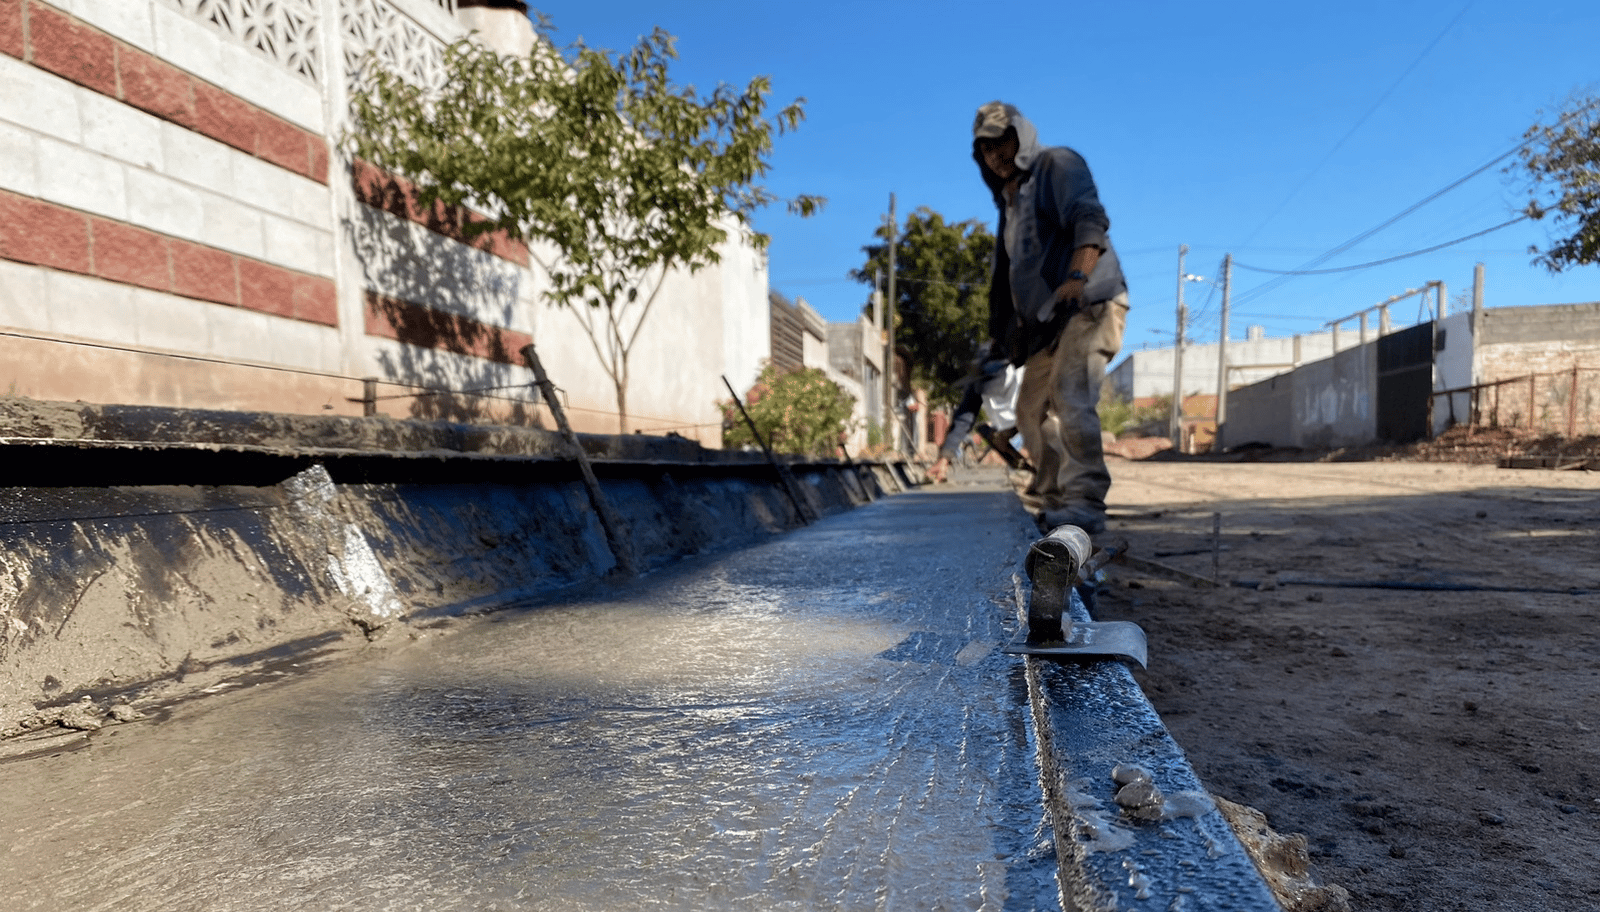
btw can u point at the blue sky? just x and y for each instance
(1277, 131)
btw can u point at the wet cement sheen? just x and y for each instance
(822, 721)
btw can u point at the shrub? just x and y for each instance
(800, 412)
(1119, 415)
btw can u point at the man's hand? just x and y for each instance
(1069, 296)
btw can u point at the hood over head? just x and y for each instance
(991, 123)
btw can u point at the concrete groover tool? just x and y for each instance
(1056, 564)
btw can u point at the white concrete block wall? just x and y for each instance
(203, 51)
(164, 205)
(297, 246)
(32, 98)
(447, 370)
(170, 323)
(69, 305)
(70, 145)
(227, 224)
(120, 132)
(22, 289)
(404, 260)
(127, 19)
(74, 147)
(87, 308)
(206, 163)
(17, 160)
(206, 53)
(290, 342)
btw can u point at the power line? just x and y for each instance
(1306, 268)
(1359, 122)
(1386, 260)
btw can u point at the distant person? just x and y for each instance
(992, 389)
(1058, 300)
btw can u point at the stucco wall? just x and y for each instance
(1334, 404)
(1147, 374)
(1262, 413)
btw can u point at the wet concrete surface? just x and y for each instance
(821, 721)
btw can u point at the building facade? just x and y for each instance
(180, 226)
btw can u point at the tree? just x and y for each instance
(942, 295)
(796, 412)
(615, 174)
(1563, 161)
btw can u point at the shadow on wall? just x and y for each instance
(448, 305)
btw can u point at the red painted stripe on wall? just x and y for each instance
(12, 41)
(76, 51)
(403, 321)
(41, 233)
(397, 196)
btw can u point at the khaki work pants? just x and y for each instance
(1056, 411)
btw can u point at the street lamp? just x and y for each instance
(1175, 419)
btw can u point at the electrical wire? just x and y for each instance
(1386, 260)
(1359, 122)
(1306, 268)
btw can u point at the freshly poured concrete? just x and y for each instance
(821, 721)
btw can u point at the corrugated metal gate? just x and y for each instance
(1405, 383)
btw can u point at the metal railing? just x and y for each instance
(1553, 402)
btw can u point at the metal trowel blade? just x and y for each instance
(1123, 640)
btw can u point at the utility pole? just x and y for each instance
(1477, 296)
(1175, 422)
(877, 323)
(1222, 354)
(891, 420)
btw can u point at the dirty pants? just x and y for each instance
(1056, 410)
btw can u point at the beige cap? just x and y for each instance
(992, 120)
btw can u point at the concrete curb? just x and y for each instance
(1126, 841)
(154, 552)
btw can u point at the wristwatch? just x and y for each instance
(1076, 275)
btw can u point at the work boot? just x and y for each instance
(1000, 442)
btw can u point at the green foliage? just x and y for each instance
(617, 173)
(1118, 414)
(799, 412)
(1563, 162)
(875, 435)
(942, 295)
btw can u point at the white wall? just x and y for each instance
(1452, 369)
(1148, 373)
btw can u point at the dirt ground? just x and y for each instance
(1405, 667)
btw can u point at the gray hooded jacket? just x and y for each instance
(1055, 211)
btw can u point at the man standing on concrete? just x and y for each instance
(1057, 299)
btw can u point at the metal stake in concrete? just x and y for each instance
(790, 484)
(616, 530)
